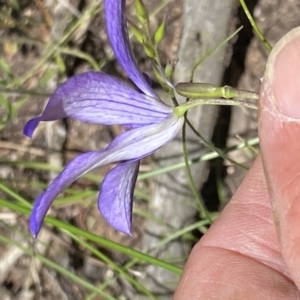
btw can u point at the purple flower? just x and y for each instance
(102, 99)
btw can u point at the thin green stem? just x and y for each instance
(174, 236)
(80, 54)
(213, 148)
(255, 27)
(200, 201)
(14, 195)
(183, 108)
(205, 157)
(24, 92)
(159, 7)
(204, 57)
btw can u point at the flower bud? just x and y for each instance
(197, 90)
(160, 32)
(149, 49)
(169, 70)
(141, 12)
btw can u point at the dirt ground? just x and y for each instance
(30, 69)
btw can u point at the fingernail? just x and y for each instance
(283, 74)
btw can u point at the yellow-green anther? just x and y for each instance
(137, 32)
(160, 32)
(141, 12)
(149, 49)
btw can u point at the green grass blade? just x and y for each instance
(97, 239)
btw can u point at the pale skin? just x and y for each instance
(252, 251)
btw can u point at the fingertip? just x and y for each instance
(282, 71)
(279, 131)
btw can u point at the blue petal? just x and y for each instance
(142, 141)
(116, 195)
(118, 35)
(101, 99)
(30, 126)
(130, 145)
(74, 169)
